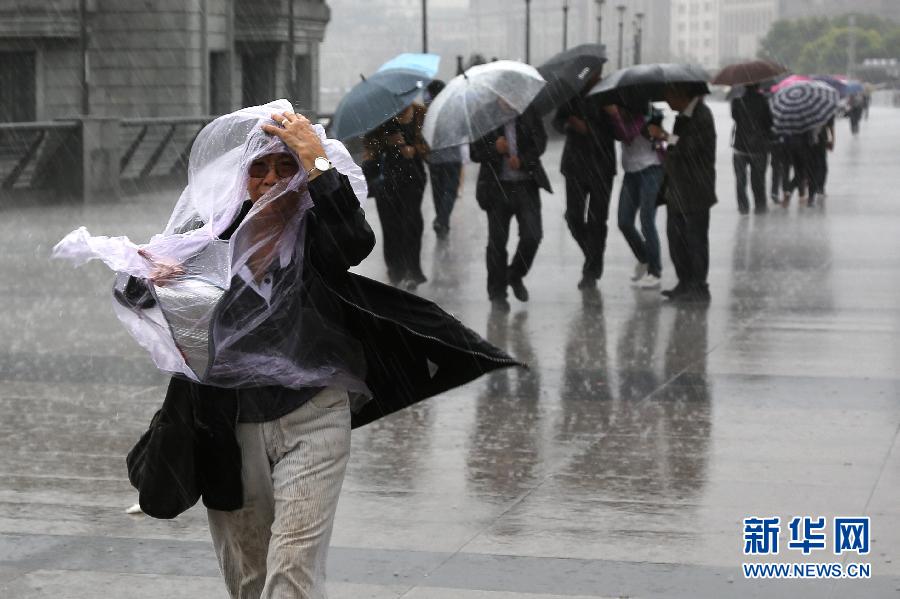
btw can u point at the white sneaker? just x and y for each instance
(649, 281)
(640, 269)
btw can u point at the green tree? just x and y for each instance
(819, 45)
(891, 44)
(828, 54)
(785, 41)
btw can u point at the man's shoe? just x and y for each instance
(649, 282)
(587, 283)
(696, 295)
(640, 269)
(673, 292)
(409, 284)
(519, 290)
(500, 304)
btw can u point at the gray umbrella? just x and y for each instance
(480, 100)
(648, 82)
(374, 100)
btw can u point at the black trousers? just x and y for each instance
(757, 164)
(818, 168)
(587, 209)
(402, 226)
(688, 234)
(799, 152)
(780, 169)
(522, 200)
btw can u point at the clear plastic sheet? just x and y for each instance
(235, 314)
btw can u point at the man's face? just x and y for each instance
(676, 99)
(268, 170)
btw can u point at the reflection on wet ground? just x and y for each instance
(620, 464)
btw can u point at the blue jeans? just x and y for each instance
(639, 192)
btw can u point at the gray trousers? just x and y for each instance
(275, 547)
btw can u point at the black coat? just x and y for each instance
(590, 156)
(689, 183)
(531, 141)
(413, 350)
(752, 123)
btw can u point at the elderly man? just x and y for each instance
(689, 191)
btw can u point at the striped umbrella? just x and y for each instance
(803, 106)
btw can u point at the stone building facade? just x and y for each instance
(156, 58)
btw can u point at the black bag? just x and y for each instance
(189, 450)
(161, 466)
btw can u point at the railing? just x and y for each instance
(52, 155)
(157, 147)
(37, 155)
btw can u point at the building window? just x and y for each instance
(18, 83)
(257, 77)
(219, 83)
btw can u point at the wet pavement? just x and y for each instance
(621, 465)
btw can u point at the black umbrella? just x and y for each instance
(636, 85)
(374, 100)
(567, 73)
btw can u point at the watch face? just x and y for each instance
(322, 164)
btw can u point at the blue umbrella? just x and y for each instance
(854, 87)
(426, 64)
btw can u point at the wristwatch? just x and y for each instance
(320, 165)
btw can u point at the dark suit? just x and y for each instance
(504, 199)
(689, 191)
(589, 166)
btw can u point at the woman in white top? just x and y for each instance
(642, 163)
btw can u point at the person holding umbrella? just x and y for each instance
(589, 155)
(445, 168)
(689, 181)
(750, 143)
(689, 191)
(589, 166)
(394, 157)
(488, 107)
(509, 183)
(800, 111)
(382, 109)
(752, 135)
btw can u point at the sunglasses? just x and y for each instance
(283, 169)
